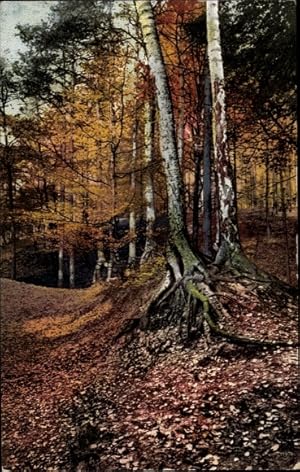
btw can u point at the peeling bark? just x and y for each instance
(227, 211)
(178, 237)
(148, 182)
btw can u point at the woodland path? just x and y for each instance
(70, 402)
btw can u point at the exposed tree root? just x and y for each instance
(190, 299)
(232, 337)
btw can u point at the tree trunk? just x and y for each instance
(207, 243)
(101, 262)
(180, 298)
(60, 275)
(181, 116)
(132, 215)
(11, 206)
(267, 192)
(11, 200)
(196, 191)
(227, 213)
(71, 268)
(177, 236)
(148, 192)
(285, 227)
(112, 230)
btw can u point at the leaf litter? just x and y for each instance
(80, 402)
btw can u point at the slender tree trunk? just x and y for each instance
(71, 268)
(72, 249)
(148, 192)
(177, 236)
(11, 205)
(101, 262)
(267, 192)
(60, 275)
(132, 215)
(11, 199)
(285, 227)
(181, 116)
(113, 193)
(196, 193)
(207, 243)
(227, 213)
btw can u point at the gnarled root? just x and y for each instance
(208, 299)
(189, 299)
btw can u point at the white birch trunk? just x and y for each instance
(148, 182)
(227, 212)
(167, 135)
(109, 268)
(101, 262)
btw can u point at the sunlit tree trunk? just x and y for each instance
(101, 262)
(168, 146)
(112, 229)
(148, 182)
(227, 212)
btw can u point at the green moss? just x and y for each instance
(150, 270)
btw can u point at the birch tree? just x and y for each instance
(150, 109)
(228, 223)
(178, 237)
(188, 282)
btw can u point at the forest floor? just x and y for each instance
(74, 399)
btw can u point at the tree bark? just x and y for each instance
(197, 190)
(148, 182)
(177, 236)
(285, 227)
(71, 268)
(267, 192)
(101, 262)
(207, 243)
(181, 116)
(60, 275)
(132, 215)
(227, 212)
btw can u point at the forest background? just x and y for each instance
(82, 182)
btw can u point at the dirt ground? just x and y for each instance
(74, 399)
